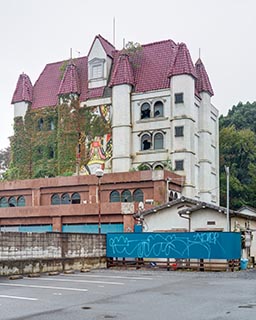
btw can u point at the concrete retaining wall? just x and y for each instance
(22, 253)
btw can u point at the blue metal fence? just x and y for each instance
(189, 245)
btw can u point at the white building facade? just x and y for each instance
(160, 109)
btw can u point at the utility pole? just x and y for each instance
(227, 174)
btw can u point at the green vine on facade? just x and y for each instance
(54, 141)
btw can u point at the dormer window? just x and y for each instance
(97, 71)
(96, 68)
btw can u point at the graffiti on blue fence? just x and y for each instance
(197, 245)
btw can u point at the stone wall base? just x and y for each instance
(13, 267)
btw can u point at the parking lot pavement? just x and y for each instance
(131, 294)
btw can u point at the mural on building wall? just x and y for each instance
(98, 139)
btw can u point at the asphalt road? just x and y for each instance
(134, 294)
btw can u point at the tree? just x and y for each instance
(238, 152)
(242, 116)
(5, 155)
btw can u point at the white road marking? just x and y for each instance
(110, 277)
(20, 298)
(41, 287)
(78, 281)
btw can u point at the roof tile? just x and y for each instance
(122, 72)
(70, 80)
(183, 63)
(148, 69)
(202, 83)
(24, 89)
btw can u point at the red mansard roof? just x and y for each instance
(122, 72)
(24, 89)
(152, 65)
(70, 80)
(202, 82)
(147, 69)
(183, 63)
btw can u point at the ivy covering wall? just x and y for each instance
(54, 141)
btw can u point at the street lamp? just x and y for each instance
(99, 174)
(227, 173)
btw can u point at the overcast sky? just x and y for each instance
(36, 32)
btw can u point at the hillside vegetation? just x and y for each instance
(238, 152)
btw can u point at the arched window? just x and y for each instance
(145, 142)
(158, 141)
(75, 198)
(126, 196)
(51, 125)
(3, 202)
(158, 167)
(138, 195)
(55, 200)
(40, 124)
(65, 198)
(12, 202)
(145, 111)
(158, 109)
(144, 166)
(21, 202)
(114, 196)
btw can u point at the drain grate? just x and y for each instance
(107, 316)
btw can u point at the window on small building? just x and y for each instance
(12, 202)
(114, 196)
(179, 165)
(211, 223)
(65, 198)
(145, 142)
(158, 141)
(55, 199)
(158, 109)
(21, 201)
(126, 196)
(75, 198)
(178, 97)
(145, 111)
(179, 131)
(4, 202)
(40, 124)
(138, 195)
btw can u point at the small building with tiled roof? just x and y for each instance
(142, 107)
(191, 215)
